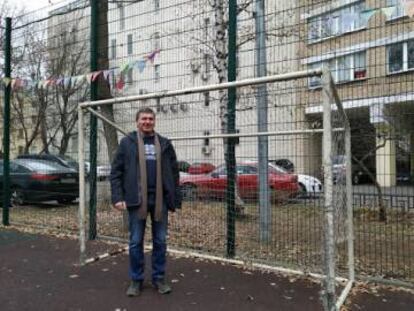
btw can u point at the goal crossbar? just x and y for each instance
(206, 88)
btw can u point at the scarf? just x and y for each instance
(142, 173)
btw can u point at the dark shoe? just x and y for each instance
(162, 286)
(134, 289)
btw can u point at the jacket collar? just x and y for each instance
(163, 142)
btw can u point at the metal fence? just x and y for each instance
(111, 49)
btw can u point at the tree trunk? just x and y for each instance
(382, 210)
(104, 91)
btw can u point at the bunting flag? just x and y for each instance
(95, 75)
(151, 56)
(6, 81)
(141, 65)
(124, 68)
(59, 81)
(13, 84)
(66, 82)
(120, 83)
(107, 74)
(74, 81)
(89, 78)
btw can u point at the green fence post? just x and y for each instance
(93, 139)
(231, 128)
(6, 124)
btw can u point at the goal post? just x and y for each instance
(340, 215)
(337, 192)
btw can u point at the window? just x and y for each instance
(158, 104)
(399, 11)
(346, 68)
(121, 9)
(20, 133)
(157, 73)
(206, 96)
(401, 56)
(130, 76)
(113, 49)
(206, 141)
(157, 6)
(156, 41)
(337, 22)
(129, 44)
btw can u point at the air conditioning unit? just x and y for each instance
(206, 150)
(195, 66)
(204, 76)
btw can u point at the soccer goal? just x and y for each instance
(242, 206)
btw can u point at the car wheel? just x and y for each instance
(302, 190)
(189, 192)
(66, 200)
(17, 197)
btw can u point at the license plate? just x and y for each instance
(68, 180)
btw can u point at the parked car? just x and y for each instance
(358, 174)
(63, 160)
(214, 184)
(40, 180)
(103, 172)
(201, 168)
(284, 163)
(183, 166)
(309, 185)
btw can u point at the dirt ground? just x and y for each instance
(39, 272)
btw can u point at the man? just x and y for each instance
(145, 180)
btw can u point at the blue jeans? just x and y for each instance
(136, 245)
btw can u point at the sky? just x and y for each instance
(32, 5)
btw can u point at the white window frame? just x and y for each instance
(157, 72)
(315, 82)
(336, 27)
(404, 60)
(399, 12)
(156, 37)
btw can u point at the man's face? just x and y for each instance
(146, 123)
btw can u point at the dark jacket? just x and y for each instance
(125, 173)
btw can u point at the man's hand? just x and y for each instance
(120, 206)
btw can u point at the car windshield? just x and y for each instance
(277, 169)
(42, 166)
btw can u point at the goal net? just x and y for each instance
(265, 182)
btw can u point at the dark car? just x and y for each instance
(37, 181)
(60, 159)
(284, 163)
(359, 175)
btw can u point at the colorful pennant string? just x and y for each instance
(76, 81)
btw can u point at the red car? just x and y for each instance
(283, 185)
(201, 168)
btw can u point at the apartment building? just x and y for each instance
(183, 31)
(369, 48)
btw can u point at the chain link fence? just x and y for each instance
(75, 52)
